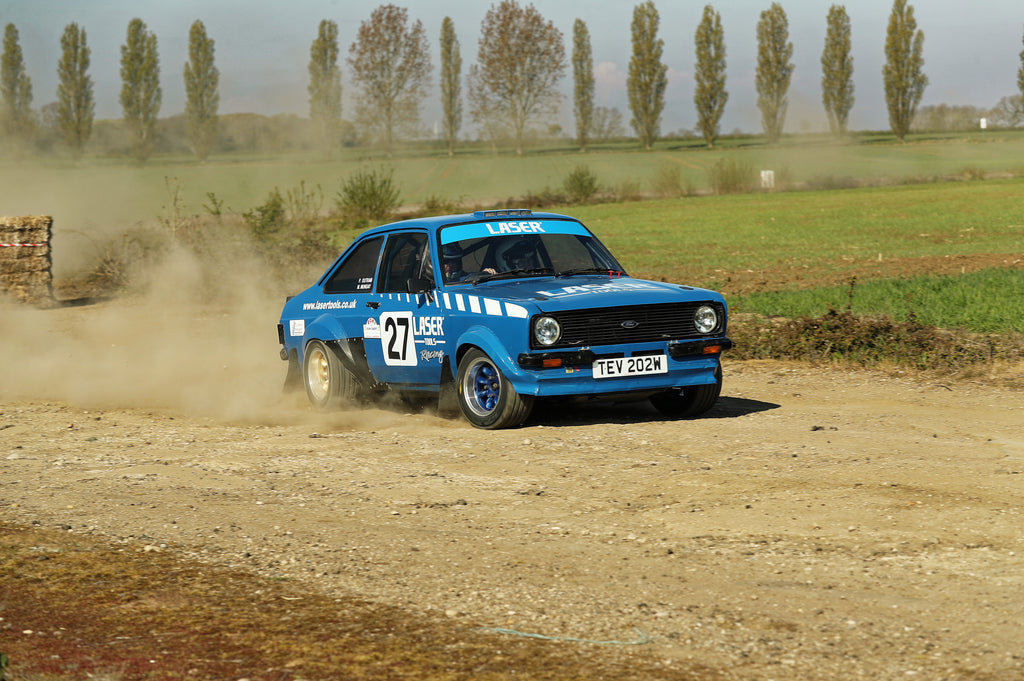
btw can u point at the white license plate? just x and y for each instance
(630, 366)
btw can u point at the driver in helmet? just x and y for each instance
(452, 265)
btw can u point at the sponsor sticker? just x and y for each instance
(371, 329)
(297, 327)
(330, 305)
(484, 229)
(427, 355)
(599, 288)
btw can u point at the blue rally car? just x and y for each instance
(496, 309)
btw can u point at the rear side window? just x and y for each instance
(355, 274)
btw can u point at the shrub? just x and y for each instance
(369, 195)
(439, 205)
(869, 341)
(304, 206)
(972, 173)
(627, 190)
(542, 199)
(830, 182)
(580, 184)
(667, 182)
(732, 177)
(119, 261)
(267, 219)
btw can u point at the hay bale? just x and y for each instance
(25, 260)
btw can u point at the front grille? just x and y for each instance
(650, 323)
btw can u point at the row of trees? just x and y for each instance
(508, 88)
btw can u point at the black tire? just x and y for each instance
(486, 397)
(329, 384)
(691, 401)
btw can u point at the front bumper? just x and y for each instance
(563, 373)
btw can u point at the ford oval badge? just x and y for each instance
(630, 324)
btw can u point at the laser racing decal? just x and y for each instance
(427, 355)
(401, 331)
(484, 229)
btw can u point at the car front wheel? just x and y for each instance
(486, 397)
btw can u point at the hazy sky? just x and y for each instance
(971, 51)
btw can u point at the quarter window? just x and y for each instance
(355, 274)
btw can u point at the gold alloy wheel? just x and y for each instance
(318, 373)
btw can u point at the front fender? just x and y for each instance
(488, 341)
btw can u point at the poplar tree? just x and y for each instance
(15, 92)
(710, 95)
(583, 81)
(647, 81)
(520, 59)
(904, 79)
(1020, 72)
(202, 96)
(451, 86)
(75, 104)
(325, 84)
(493, 124)
(774, 70)
(837, 70)
(140, 89)
(390, 62)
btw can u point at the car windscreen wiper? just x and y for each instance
(522, 272)
(590, 270)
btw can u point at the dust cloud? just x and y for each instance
(190, 341)
(170, 346)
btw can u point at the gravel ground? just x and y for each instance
(817, 523)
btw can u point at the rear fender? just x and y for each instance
(347, 343)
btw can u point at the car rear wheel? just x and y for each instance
(486, 397)
(690, 401)
(328, 383)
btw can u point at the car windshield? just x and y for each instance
(526, 249)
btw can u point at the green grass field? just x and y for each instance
(104, 192)
(944, 247)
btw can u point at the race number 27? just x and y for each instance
(397, 339)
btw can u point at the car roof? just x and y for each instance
(435, 223)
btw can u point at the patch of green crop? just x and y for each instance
(984, 302)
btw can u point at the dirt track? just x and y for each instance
(816, 524)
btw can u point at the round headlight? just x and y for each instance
(546, 330)
(705, 319)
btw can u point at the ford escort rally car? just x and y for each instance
(494, 310)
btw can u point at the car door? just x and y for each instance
(409, 321)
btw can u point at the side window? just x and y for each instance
(403, 260)
(355, 274)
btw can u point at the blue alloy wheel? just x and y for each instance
(487, 399)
